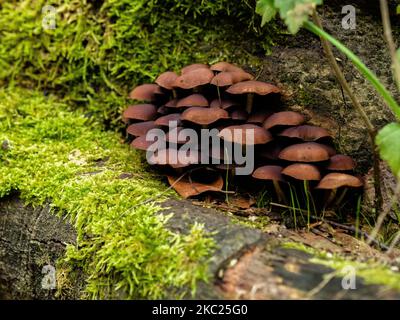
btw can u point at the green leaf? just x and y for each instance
(296, 12)
(398, 9)
(388, 141)
(266, 9)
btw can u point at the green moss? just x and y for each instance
(99, 50)
(50, 154)
(372, 272)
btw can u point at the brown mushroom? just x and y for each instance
(187, 187)
(250, 88)
(274, 174)
(194, 79)
(141, 143)
(143, 112)
(226, 78)
(341, 162)
(174, 158)
(204, 116)
(141, 128)
(302, 171)
(173, 136)
(193, 67)
(261, 136)
(166, 120)
(306, 133)
(146, 92)
(284, 118)
(334, 181)
(167, 80)
(224, 104)
(225, 67)
(194, 100)
(305, 152)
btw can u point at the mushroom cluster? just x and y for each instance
(224, 97)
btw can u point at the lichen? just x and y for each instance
(52, 155)
(372, 272)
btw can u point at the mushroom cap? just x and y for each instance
(259, 117)
(175, 158)
(336, 180)
(225, 66)
(253, 86)
(193, 67)
(273, 173)
(331, 150)
(146, 92)
(305, 152)
(186, 187)
(239, 114)
(195, 78)
(171, 103)
(261, 136)
(284, 118)
(306, 133)
(162, 110)
(204, 116)
(194, 100)
(144, 112)
(167, 80)
(226, 78)
(302, 171)
(341, 162)
(224, 104)
(141, 143)
(141, 128)
(165, 120)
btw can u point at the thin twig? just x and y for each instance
(387, 30)
(394, 243)
(360, 110)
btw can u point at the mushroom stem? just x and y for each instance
(219, 96)
(279, 192)
(306, 192)
(249, 104)
(174, 94)
(341, 197)
(332, 196)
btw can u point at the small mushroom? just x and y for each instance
(167, 80)
(341, 162)
(141, 143)
(261, 136)
(194, 100)
(166, 120)
(305, 152)
(146, 92)
(306, 133)
(302, 171)
(193, 67)
(250, 88)
(194, 79)
(284, 118)
(141, 128)
(334, 181)
(204, 116)
(187, 187)
(274, 174)
(175, 158)
(226, 78)
(143, 112)
(225, 67)
(223, 104)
